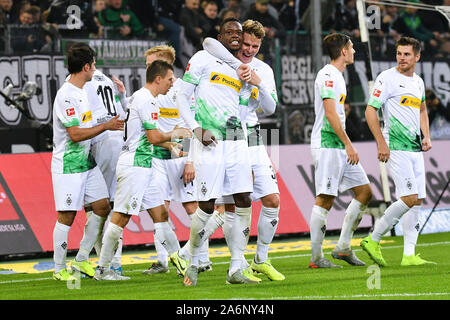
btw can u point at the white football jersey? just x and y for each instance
(400, 97)
(71, 108)
(142, 115)
(329, 84)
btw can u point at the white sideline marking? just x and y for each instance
(272, 258)
(383, 295)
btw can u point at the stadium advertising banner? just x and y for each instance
(28, 216)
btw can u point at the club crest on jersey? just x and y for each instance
(225, 80)
(86, 117)
(70, 112)
(410, 102)
(376, 93)
(329, 84)
(154, 116)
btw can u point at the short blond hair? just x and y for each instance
(254, 27)
(162, 51)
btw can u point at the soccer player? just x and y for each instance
(104, 101)
(336, 161)
(400, 93)
(76, 177)
(220, 152)
(175, 177)
(136, 187)
(263, 96)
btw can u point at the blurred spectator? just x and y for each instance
(26, 37)
(193, 23)
(229, 13)
(438, 116)
(388, 18)
(7, 15)
(99, 6)
(444, 50)
(327, 13)
(355, 127)
(57, 14)
(159, 16)
(434, 20)
(239, 7)
(272, 27)
(346, 19)
(287, 15)
(124, 22)
(409, 24)
(210, 14)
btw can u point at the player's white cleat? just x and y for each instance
(102, 273)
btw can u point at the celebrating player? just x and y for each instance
(336, 161)
(400, 93)
(220, 152)
(76, 177)
(263, 96)
(136, 188)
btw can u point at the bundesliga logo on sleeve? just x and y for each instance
(154, 116)
(329, 84)
(70, 112)
(376, 93)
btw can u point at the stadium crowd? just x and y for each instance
(36, 23)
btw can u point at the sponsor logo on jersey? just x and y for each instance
(70, 112)
(329, 84)
(376, 93)
(168, 113)
(342, 99)
(154, 116)
(410, 102)
(254, 94)
(225, 80)
(86, 117)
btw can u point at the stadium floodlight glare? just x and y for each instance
(29, 90)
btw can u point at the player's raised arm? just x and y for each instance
(78, 134)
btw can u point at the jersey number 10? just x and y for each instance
(108, 99)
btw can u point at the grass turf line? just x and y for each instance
(396, 282)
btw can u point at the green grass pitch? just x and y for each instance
(348, 283)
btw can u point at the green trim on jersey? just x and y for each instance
(76, 160)
(329, 138)
(188, 77)
(423, 98)
(274, 97)
(149, 126)
(375, 103)
(73, 123)
(143, 153)
(243, 101)
(208, 119)
(402, 137)
(161, 153)
(327, 93)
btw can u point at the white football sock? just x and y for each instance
(267, 226)
(116, 261)
(161, 252)
(391, 216)
(109, 244)
(60, 236)
(167, 237)
(184, 252)
(228, 226)
(317, 226)
(198, 223)
(353, 216)
(214, 223)
(92, 229)
(240, 233)
(411, 228)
